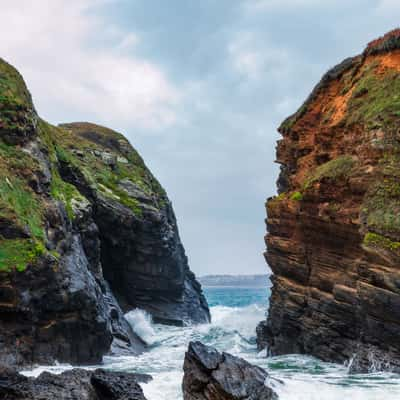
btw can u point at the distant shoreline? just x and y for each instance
(235, 281)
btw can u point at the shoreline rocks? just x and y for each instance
(210, 375)
(72, 385)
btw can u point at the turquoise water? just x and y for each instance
(236, 296)
(235, 315)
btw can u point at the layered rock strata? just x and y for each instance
(210, 375)
(82, 221)
(333, 239)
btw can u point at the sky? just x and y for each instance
(198, 87)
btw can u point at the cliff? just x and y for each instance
(82, 221)
(333, 239)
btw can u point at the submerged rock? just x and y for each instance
(72, 385)
(333, 240)
(86, 233)
(210, 375)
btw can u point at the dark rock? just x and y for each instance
(210, 375)
(76, 384)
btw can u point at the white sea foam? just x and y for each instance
(141, 323)
(294, 377)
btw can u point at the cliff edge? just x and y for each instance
(333, 239)
(86, 233)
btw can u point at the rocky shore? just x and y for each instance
(333, 239)
(72, 385)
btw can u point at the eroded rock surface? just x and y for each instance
(333, 239)
(210, 375)
(77, 384)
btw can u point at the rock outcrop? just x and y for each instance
(210, 375)
(81, 219)
(72, 385)
(334, 230)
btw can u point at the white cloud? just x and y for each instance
(254, 60)
(74, 60)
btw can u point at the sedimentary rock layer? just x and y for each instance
(333, 239)
(81, 219)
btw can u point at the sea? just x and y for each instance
(235, 313)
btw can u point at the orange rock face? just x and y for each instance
(333, 239)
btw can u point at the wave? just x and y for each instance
(141, 324)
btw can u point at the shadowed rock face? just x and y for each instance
(82, 221)
(72, 385)
(210, 375)
(333, 239)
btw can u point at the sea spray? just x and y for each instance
(233, 330)
(141, 324)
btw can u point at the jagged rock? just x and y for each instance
(76, 384)
(82, 223)
(333, 232)
(210, 375)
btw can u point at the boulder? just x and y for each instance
(210, 375)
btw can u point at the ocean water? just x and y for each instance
(235, 314)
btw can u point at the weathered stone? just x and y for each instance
(210, 375)
(72, 385)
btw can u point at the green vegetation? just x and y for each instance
(382, 206)
(94, 143)
(338, 168)
(65, 192)
(376, 99)
(15, 100)
(296, 196)
(19, 204)
(19, 253)
(379, 241)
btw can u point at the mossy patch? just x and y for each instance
(16, 109)
(335, 169)
(381, 242)
(375, 101)
(296, 196)
(18, 203)
(19, 253)
(96, 153)
(382, 206)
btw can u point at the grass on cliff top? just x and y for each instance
(98, 174)
(375, 101)
(13, 90)
(339, 167)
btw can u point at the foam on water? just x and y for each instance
(141, 323)
(232, 329)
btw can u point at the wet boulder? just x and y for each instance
(210, 375)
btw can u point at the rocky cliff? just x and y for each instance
(333, 239)
(82, 221)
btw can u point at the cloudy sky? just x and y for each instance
(198, 86)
